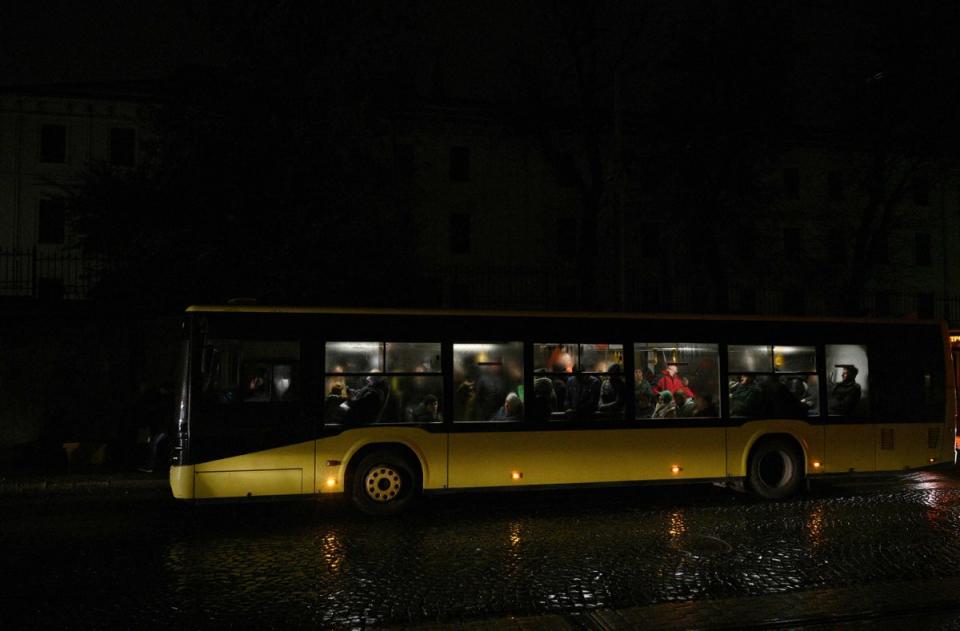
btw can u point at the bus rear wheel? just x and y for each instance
(384, 483)
(776, 469)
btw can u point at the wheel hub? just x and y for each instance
(382, 483)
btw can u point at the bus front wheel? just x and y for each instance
(384, 483)
(776, 469)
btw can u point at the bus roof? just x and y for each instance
(479, 313)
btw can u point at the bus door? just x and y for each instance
(955, 355)
(250, 432)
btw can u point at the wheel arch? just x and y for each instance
(760, 438)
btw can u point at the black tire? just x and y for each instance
(384, 483)
(776, 469)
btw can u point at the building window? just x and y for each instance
(835, 186)
(791, 183)
(123, 146)
(922, 249)
(50, 289)
(568, 175)
(53, 143)
(837, 245)
(405, 160)
(459, 164)
(649, 244)
(880, 249)
(881, 303)
(925, 305)
(921, 190)
(794, 301)
(51, 221)
(748, 300)
(459, 233)
(791, 243)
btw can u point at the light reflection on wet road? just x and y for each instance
(135, 562)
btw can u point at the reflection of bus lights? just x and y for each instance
(816, 464)
(331, 482)
(676, 469)
(517, 475)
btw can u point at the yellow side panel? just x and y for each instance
(284, 470)
(850, 448)
(741, 439)
(583, 456)
(430, 449)
(248, 483)
(910, 446)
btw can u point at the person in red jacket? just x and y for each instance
(671, 381)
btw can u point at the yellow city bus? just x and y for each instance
(384, 404)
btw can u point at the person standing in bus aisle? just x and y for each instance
(643, 394)
(544, 398)
(613, 393)
(671, 381)
(490, 390)
(583, 394)
(846, 395)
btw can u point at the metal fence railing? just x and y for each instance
(42, 275)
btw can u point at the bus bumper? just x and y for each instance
(181, 482)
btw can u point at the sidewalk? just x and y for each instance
(74, 484)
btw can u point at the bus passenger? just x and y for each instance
(365, 405)
(666, 408)
(671, 381)
(704, 406)
(779, 402)
(745, 397)
(612, 392)
(512, 409)
(846, 395)
(643, 394)
(685, 404)
(544, 399)
(583, 394)
(428, 410)
(489, 391)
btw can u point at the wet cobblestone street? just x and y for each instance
(149, 562)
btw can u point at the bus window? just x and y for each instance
(773, 381)
(390, 382)
(488, 382)
(676, 380)
(248, 371)
(847, 380)
(578, 381)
